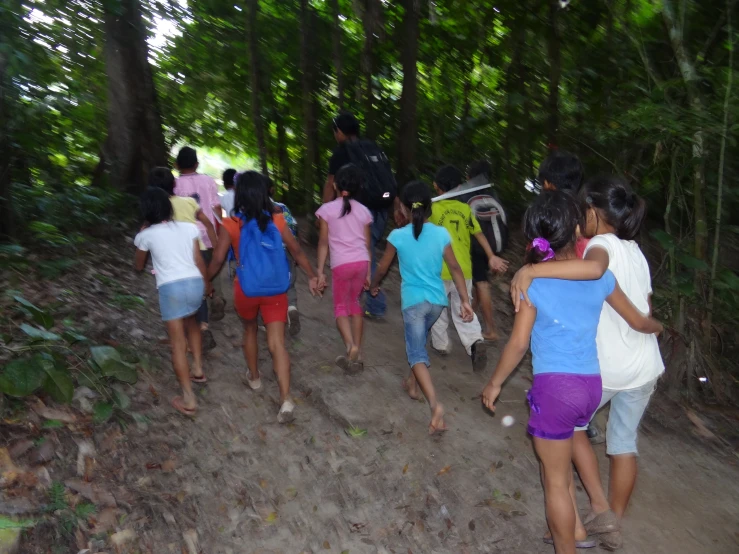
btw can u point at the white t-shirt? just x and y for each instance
(628, 359)
(227, 202)
(172, 246)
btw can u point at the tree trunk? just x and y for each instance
(555, 71)
(514, 83)
(310, 129)
(336, 46)
(255, 78)
(135, 140)
(697, 104)
(7, 226)
(408, 132)
(370, 23)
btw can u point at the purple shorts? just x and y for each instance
(560, 402)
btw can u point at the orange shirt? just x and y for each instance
(233, 225)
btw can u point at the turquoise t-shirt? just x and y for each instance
(420, 264)
(567, 315)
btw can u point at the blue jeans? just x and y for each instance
(417, 321)
(376, 305)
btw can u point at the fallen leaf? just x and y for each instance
(168, 466)
(263, 483)
(517, 495)
(271, 517)
(326, 545)
(51, 413)
(191, 541)
(122, 537)
(444, 470)
(405, 469)
(701, 428)
(262, 433)
(153, 465)
(291, 493)
(449, 523)
(153, 391)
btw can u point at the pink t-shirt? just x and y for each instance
(205, 192)
(346, 239)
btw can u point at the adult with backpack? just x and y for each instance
(378, 193)
(257, 235)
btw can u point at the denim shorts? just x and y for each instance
(627, 409)
(182, 298)
(418, 320)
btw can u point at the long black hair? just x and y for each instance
(617, 202)
(416, 196)
(554, 217)
(349, 179)
(155, 206)
(162, 178)
(252, 199)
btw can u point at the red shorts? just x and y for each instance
(272, 308)
(348, 284)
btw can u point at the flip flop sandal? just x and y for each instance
(355, 368)
(286, 413)
(343, 362)
(587, 543)
(178, 404)
(604, 522)
(255, 385)
(611, 541)
(201, 379)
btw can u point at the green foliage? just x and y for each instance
(67, 519)
(110, 363)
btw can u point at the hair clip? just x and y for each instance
(416, 205)
(542, 245)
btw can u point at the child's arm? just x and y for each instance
(322, 251)
(636, 320)
(467, 312)
(591, 268)
(219, 253)
(497, 264)
(139, 260)
(200, 262)
(209, 229)
(300, 258)
(512, 354)
(368, 240)
(382, 268)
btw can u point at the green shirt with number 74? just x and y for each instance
(457, 218)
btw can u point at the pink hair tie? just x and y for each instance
(543, 246)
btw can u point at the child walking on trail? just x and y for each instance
(180, 277)
(345, 231)
(561, 325)
(257, 235)
(457, 218)
(422, 247)
(630, 362)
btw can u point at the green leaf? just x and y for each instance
(39, 316)
(111, 365)
(355, 432)
(23, 377)
(102, 412)
(52, 424)
(730, 279)
(665, 240)
(121, 399)
(691, 263)
(10, 523)
(84, 510)
(59, 385)
(72, 338)
(38, 334)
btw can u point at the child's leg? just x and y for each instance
(484, 298)
(423, 377)
(440, 329)
(195, 342)
(586, 463)
(345, 330)
(469, 332)
(249, 344)
(280, 357)
(178, 343)
(357, 330)
(556, 460)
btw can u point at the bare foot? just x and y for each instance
(353, 353)
(437, 424)
(491, 336)
(411, 389)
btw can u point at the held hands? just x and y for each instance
(497, 265)
(368, 281)
(520, 286)
(315, 289)
(374, 291)
(209, 289)
(489, 395)
(322, 283)
(466, 312)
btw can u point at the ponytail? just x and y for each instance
(416, 197)
(618, 204)
(349, 179)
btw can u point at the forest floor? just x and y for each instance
(232, 480)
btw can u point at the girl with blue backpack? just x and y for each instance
(257, 235)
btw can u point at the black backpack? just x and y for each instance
(493, 221)
(380, 188)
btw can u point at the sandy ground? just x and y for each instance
(249, 485)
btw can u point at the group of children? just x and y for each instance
(584, 313)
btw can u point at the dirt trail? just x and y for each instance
(247, 484)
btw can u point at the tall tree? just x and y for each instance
(135, 140)
(555, 72)
(371, 21)
(310, 124)
(337, 53)
(408, 132)
(255, 76)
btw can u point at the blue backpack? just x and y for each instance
(263, 269)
